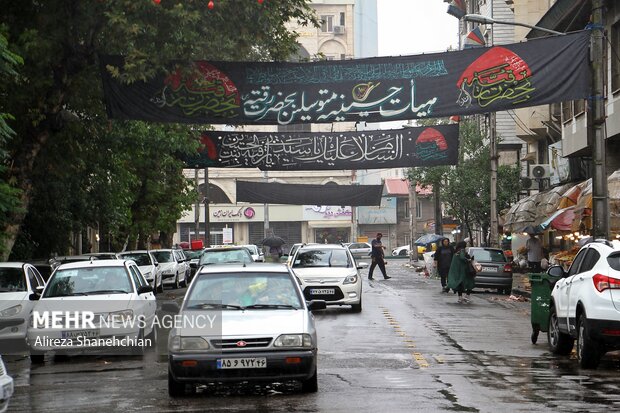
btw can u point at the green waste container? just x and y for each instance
(542, 284)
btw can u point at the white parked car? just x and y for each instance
(103, 306)
(263, 329)
(360, 249)
(6, 387)
(148, 265)
(173, 269)
(585, 304)
(257, 254)
(17, 282)
(329, 272)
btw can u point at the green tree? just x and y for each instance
(60, 84)
(9, 195)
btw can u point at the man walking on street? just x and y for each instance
(378, 257)
(534, 253)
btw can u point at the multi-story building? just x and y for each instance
(334, 40)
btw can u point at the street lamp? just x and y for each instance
(480, 19)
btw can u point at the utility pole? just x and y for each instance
(353, 211)
(206, 201)
(266, 209)
(413, 222)
(493, 235)
(196, 207)
(600, 200)
(437, 201)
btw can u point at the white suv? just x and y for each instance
(329, 272)
(585, 304)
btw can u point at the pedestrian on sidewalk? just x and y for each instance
(378, 257)
(534, 253)
(458, 279)
(443, 259)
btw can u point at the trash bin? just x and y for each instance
(542, 284)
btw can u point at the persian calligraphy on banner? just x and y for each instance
(540, 71)
(421, 146)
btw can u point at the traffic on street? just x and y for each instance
(412, 347)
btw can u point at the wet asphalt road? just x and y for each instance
(411, 349)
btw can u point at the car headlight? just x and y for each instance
(293, 340)
(351, 279)
(120, 316)
(178, 343)
(11, 311)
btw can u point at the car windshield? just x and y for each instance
(240, 255)
(484, 255)
(322, 258)
(12, 279)
(239, 291)
(163, 256)
(193, 254)
(140, 258)
(88, 281)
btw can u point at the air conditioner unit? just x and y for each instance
(540, 171)
(338, 29)
(528, 183)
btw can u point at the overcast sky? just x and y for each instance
(414, 27)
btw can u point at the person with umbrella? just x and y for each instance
(275, 247)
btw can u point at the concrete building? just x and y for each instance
(244, 223)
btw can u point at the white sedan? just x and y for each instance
(360, 249)
(17, 282)
(103, 306)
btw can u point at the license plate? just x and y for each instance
(242, 363)
(322, 291)
(489, 269)
(72, 334)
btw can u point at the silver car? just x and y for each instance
(243, 322)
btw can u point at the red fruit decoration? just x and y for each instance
(156, 1)
(260, 1)
(210, 5)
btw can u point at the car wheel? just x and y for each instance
(357, 308)
(403, 252)
(559, 343)
(37, 358)
(588, 350)
(176, 282)
(311, 385)
(138, 349)
(160, 288)
(175, 388)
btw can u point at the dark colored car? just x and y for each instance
(496, 270)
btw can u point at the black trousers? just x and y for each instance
(377, 262)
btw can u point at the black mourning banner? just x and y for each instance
(420, 146)
(480, 80)
(298, 194)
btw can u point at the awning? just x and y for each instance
(300, 194)
(563, 16)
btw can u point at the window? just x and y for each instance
(138, 280)
(614, 39)
(418, 208)
(579, 106)
(327, 24)
(590, 260)
(342, 18)
(575, 265)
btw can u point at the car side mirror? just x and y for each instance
(145, 289)
(34, 297)
(556, 271)
(315, 305)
